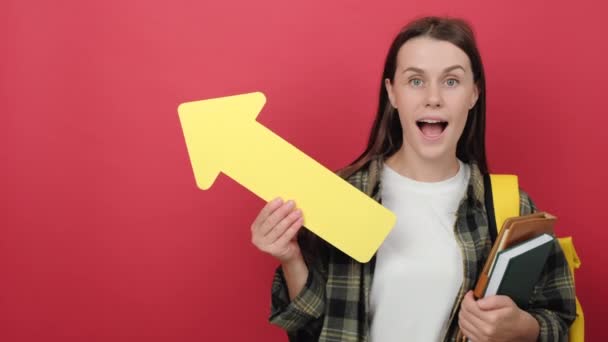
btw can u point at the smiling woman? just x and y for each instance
(425, 160)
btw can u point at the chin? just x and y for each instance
(434, 154)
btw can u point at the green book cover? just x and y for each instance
(518, 268)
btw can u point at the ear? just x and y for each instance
(389, 90)
(474, 97)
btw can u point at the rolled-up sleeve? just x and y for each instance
(307, 306)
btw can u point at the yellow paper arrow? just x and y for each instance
(222, 135)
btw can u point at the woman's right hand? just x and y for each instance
(275, 229)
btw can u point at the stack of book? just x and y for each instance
(517, 259)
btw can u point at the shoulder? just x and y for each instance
(358, 178)
(526, 205)
(365, 177)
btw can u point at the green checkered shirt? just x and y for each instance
(334, 304)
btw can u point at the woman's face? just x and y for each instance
(433, 90)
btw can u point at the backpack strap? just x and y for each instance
(502, 200)
(488, 199)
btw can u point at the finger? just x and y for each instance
(466, 326)
(468, 302)
(268, 209)
(281, 227)
(495, 303)
(469, 331)
(470, 307)
(473, 324)
(290, 233)
(276, 217)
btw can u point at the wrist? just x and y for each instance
(292, 261)
(295, 272)
(530, 327)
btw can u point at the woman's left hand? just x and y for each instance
(496, 319)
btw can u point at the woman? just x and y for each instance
(425, 161)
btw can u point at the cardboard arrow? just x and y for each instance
(222, 135)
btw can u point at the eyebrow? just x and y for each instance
(446, 70)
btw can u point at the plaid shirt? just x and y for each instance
(334, 304)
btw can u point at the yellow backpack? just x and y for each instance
(505, 198)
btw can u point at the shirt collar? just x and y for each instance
(474, 194)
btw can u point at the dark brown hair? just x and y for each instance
(386, 136)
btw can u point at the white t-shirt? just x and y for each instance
(419, 266)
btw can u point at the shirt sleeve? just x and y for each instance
(553, 302)
(308, 305)
(304, 314)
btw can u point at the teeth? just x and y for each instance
(430, 121)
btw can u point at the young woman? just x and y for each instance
(425, 161)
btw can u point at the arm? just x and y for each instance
(295, 273)
(298, 289)
(301, 311)
(553, 301)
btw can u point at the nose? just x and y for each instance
(433, 97)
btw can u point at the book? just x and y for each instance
(518, 268)
(515, 230)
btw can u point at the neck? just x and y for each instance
(423, 170)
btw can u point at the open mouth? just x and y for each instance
(431, 128)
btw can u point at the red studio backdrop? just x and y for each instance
(103, 233)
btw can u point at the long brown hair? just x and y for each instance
(386, 136)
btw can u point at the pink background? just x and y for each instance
(103, 234)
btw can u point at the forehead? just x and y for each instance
(431, 55)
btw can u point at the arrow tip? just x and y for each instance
(206, 122)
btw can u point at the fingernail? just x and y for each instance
(290, 204)
(298, 213)
(277, 200)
